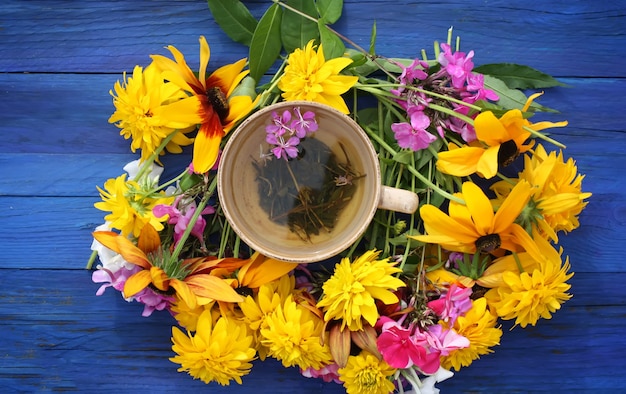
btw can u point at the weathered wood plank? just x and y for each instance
(112, 36)
(61, 336)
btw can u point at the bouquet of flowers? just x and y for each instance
(417, 293)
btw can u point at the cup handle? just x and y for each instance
(398, 200)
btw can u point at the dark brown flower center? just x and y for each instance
(488, 243)
(507, 153)
(218, 101)
(244, 291)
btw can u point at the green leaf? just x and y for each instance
(329, 10)
(297, 30)
(511, 98)
(404, 156)
(517, 76)
(234, 18)
(331, 43)
(266, 44)
(372, 50)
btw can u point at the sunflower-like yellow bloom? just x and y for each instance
(309, 76)
(141, 111)
(212, 104)
(479, 326)
(350, 294)
(295, 336)
(218, 352)
(535, 293)
(475, 227)
(557, 196)
(130, 208)
(366, 374)
(500, 141)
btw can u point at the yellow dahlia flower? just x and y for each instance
(535, 293)
(309, 76)
(295, 336)
(350, 294)
(366, 374)
(219, 351)
(130, 207)
(141, 111)
(479, 326)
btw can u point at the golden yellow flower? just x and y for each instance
(500, 141)
(219, 351)
(478, 325)
(186, 316)
(211, 105)
(475, 227)
(130, 206)
(366, 374)
(295, 336)
(557, 197)
(535, 293)
(141, 103)
(350, 294)
(309, 76)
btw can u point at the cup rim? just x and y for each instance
(298, 256)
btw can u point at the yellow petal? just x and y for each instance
(460, 161)
(184, 292)
(489, 129)
(205, 55)
(205, 151)
(149, 239)
(137, 282)
(487, 165)
(209, 286)
(438, 223)
(160, 280)
(480, 208)
(512, 206)
(265, 270)
(123, 246)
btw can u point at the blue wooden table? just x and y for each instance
(58, 60)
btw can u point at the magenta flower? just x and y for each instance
(115, 279)
(303, 124)
(444, 341)
(453, 303)
(152, 301)
(413, 135)
(328, 373)
(280, 124)
(284, 149)
(457, 65)
(181, 218)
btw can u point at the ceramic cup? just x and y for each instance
(240, 195)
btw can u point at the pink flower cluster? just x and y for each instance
(287, 129)
(454, 79)
(411, 345)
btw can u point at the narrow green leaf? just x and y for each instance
(372, 50)
(329, 10)
(266, 44)
(511, 98)
(297, 30)
(404, 156)
(234, 18)
(517, 76)
(331, 43)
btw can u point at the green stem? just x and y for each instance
(91, 260)
(194, 219)
(544, 137)
(151, 159)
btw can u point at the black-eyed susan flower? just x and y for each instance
(499, 142)
(527, 289)
(479, 326)
(141, 111)
(309, 76)
(474, 227)
(366, 374)
(163, 272)
(211, 105)
(557, 196)
(220, 351)
(350, 294)
(130, 207)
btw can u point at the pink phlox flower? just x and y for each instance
(476, 85)
(152, 301)
(304, 124)
(445, 341)
(401, 348)
(413, 135)
(453, 303)
(410, 74)
(458, 65)
(181, 218)
(115, 279)
(328, 373)
(456, 125)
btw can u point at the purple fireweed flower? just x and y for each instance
(303, 124)
(280, 123)
(180, 217)
(458, 65)
(413, 135)
(287, 149)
